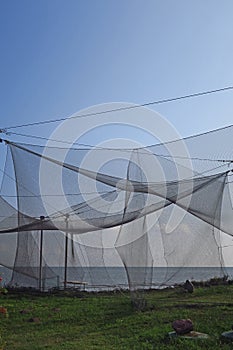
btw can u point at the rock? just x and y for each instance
(188, 286)
(56, 309)
(182, 326)
(3, 310)
(34, 319)
(24, 311)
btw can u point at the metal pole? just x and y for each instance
(66, 252)
(41, 255)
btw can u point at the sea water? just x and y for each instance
(110, 278)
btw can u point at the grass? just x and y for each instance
(108, 321)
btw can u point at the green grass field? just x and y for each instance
(108, 321)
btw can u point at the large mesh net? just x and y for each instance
(132, 218)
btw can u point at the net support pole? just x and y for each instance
(41, 255)
(66, 252)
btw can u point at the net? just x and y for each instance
(132, 218)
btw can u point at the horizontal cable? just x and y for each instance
(139, 150)
(172, 99)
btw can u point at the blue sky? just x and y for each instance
(58, 57)
(61, 56)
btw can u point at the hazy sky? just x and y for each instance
(58, 57)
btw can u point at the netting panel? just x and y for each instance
(147, 208)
